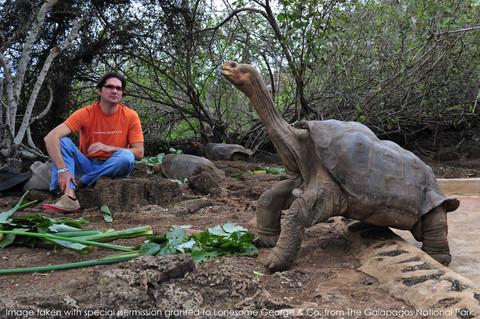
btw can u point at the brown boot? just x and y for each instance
(434, 235)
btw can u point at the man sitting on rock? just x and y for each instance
(111, 139)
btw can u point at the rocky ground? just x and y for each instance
(324, 282)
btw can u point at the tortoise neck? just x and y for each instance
(282, 134)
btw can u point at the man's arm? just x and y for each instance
(52, 143)
(135, 148)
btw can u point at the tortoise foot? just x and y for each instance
(277, 261)
(444, 259)
(266, 240)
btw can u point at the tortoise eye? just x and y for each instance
(233, 64)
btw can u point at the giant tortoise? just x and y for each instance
(342, 169)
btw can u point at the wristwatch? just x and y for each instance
(62, 170)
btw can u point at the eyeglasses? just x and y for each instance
(111, 87)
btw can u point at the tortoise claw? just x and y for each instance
(274, 262)
(444, 259)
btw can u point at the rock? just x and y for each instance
(41, 175)
(131, 285)
(412, 276)
(191, 206)
(122, 194)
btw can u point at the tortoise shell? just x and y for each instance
(226, 152)
(375, 174)
(180, 166)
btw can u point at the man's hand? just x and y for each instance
(64, 180)
(100, 147)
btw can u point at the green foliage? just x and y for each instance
(396, 66)
(4, 216)
(261, 170)
(38, 230)
(157, 160)
(153, 160)
(229, 239)
(107, 214)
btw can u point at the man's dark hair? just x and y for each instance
(110, 75)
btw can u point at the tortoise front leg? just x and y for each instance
(269, 209)
(291, 237)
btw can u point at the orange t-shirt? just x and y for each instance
(119, 129)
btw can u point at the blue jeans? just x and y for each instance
(120, 164)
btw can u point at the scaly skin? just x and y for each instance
(314, 198)
(291, 237)
(269, 209)
(434, 235)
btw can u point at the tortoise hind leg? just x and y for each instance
(434, 235)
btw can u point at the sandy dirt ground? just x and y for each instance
(324, 281)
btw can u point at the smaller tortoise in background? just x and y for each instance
(217, 151)
(342, 169)
(227, 152)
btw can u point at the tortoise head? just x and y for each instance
(243, 76)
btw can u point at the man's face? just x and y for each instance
(112, 91)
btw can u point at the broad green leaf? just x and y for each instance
(275, 170)
(230, 228)
(7, 240)
(176, 235)
(80, 248)
(150, 249)
(217, 230)
(107, 214)
(184, 247)
(7, 214)
(58, 228)
(168, 250)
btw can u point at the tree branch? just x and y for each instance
(11, 102)
(28, 46)
(46, 109)
(54, 52)
(477, 27)
(233, 14)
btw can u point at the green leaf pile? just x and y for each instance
(157, 160)
(229, 239)
(153, 160)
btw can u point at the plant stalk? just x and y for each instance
(70, 239)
